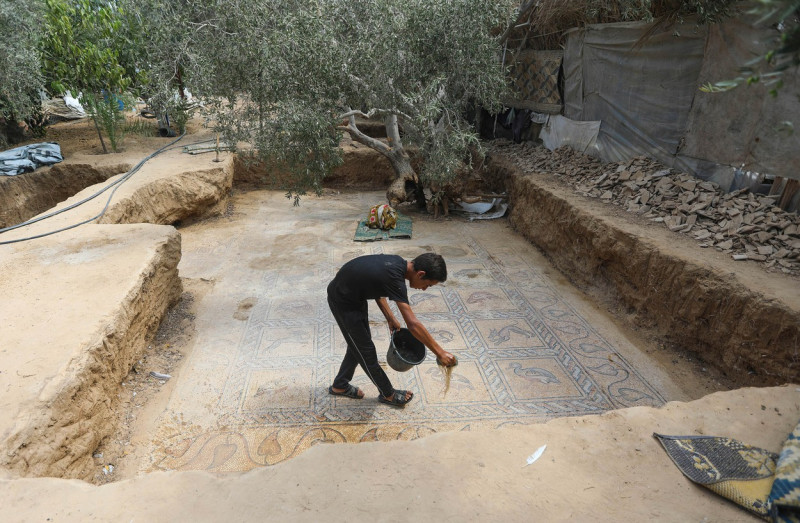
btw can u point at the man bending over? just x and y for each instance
(378, 277)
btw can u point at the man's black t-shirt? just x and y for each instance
(369, 278)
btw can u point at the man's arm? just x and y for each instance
(421, 333)
(387, 312)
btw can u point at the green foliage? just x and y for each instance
(80, 50)
(83, 51)
(20, 70)
(104, 109)
(279, 73)
(783, 53)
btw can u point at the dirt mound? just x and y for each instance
(733, 315)
(26, 195)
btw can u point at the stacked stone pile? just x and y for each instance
(745, 225)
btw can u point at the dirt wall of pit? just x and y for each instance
(75, 345)
(28, 194)
(750, 332)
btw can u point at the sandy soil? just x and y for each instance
(447, 475)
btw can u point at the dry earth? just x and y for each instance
(476, 475)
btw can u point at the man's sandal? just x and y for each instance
(350, 392)
(398, 399)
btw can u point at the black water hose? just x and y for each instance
(116, 183)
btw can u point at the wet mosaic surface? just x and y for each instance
(253, 390)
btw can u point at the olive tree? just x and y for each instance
(291, 77)
(20, 67)
(81, 52)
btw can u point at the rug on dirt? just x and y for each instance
(401, 231)
(738, 472)
(785, 495)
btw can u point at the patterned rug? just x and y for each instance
(535, 75)
(738, 472)
(785, 495)
(402, 231)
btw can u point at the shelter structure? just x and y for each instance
(625, 89)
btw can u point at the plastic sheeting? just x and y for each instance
(29, 157)
(738, 132)
(645, 91)
(641, 90)
(581, 136)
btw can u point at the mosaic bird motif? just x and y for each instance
(442, 335)
(534, 374)
(456, 380)
(482, 296)
(504, 334)
(418, 298)
(468, 273)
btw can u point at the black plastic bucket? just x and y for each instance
(405, 351)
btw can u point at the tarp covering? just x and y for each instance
(29, 157)
(581, 136)
(742, 127)
(640, 91)
(645, 91)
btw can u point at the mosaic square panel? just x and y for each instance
(467, 384)
(278, 342)
(447, 334)
(538, 379)
(470, 274)
(485, 300)
(427, 301)
(293, 307)
(540, 296)
(278, 389)
(289, 282)
(509, 334)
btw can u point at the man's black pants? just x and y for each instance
(354, 324)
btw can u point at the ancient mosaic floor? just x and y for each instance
(253, 390)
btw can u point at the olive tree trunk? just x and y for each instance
(406, 184)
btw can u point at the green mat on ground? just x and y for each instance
(402, 231)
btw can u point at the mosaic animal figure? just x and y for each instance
(442, 335)
(504, 334)
(418, 298)
(481, 296)
(456, 380)
(534, 374)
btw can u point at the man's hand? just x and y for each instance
(446, 359)
(393, 324)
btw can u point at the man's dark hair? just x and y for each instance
(432, 264)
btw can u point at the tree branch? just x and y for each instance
(362, 138)
(522, 10)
